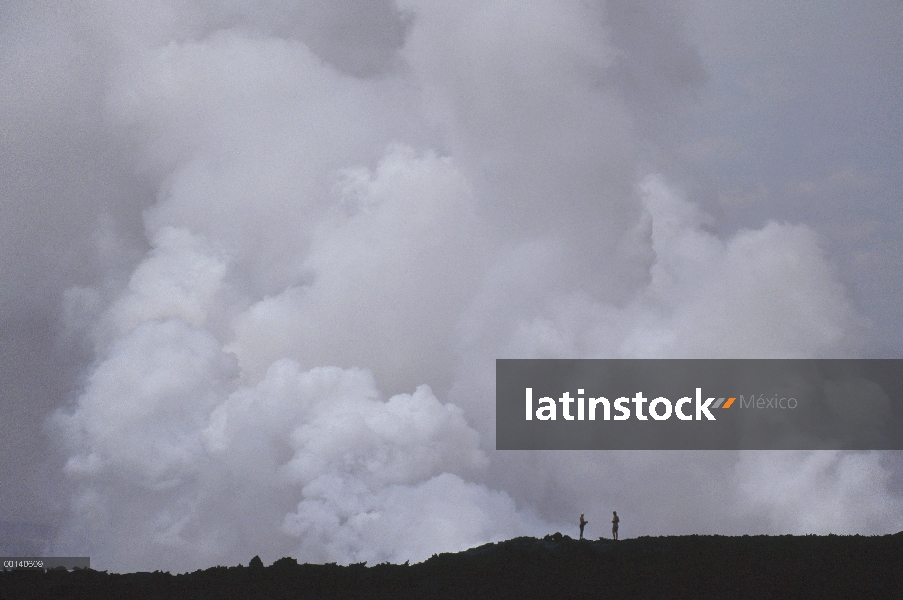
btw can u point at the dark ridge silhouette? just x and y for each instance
(555, 566)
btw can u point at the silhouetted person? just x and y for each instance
(583, 523)
(614, 524)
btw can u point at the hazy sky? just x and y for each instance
(257, 260)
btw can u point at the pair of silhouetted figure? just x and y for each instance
(614, 524)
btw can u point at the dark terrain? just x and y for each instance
(553, 567)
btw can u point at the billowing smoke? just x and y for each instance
(314, 229)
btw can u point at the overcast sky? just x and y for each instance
(257, 260)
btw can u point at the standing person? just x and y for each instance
(583, 523)
(614, 524)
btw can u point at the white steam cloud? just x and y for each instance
(317, 249)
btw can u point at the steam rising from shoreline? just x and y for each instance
(342, 239)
